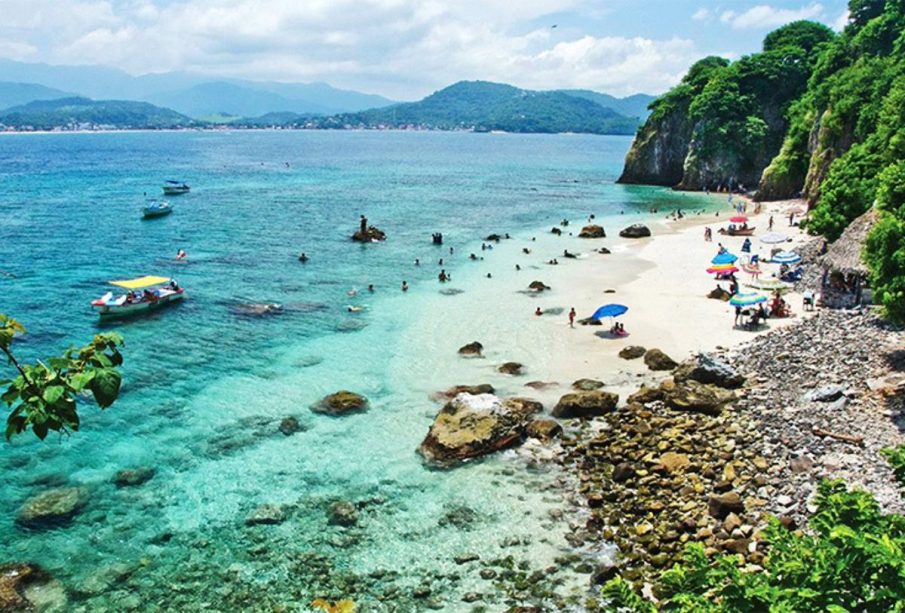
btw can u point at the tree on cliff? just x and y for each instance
(43, 395)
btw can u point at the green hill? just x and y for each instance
(71, 113)
(483, 106)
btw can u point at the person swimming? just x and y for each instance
(303, 258)
(352, 292)
(180, 255)
(405, 286)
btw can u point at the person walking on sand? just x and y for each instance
(572, 317)
(708, 234)
(770, 223)
(537, 311)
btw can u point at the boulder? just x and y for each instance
(470, 426)
(14, 579)
(474, 349)
(556, 231)
(342, 513)
(538, 286)
(474, 390)
(52, 508)
(289, 426)
(696, 397)
(719, 294)
(266, 514)
(587, 385)
(372, 234)
(586, 404)
(493, 238)
(510, 368)
(341, 403)
(645, 395)
(632, 352)
(635, 231)
(657, 360)
(708, 369)
(604, 251)
(592, 231)
(543, 429)
(133, 476)
(587, 321)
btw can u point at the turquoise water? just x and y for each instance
(206, 383)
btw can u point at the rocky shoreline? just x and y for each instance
(820, 399)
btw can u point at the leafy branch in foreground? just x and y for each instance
(896, 458)
(43, 396)
(853, 561)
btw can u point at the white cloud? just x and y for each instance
(841, 21)
(702, 14)
(400, 48)
(766, 16)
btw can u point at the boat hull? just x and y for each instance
(152, 214)
(175, 191)
(112, 311)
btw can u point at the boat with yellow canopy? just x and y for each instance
(144, 294)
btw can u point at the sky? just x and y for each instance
(404, 49)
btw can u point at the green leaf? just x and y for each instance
(105, 386)
(80, 380)
(53, 393)
(40, 429)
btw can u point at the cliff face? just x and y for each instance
(657, 156)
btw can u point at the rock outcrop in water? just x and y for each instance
(341, 403)
(52, 508)
(471, 426)
(586, 404)
(592, 231)
(635, 231)
(16, 580)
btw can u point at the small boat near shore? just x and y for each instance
(171, 187)
(155, 209)
(144, 294)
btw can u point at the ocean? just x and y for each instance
(207, 382)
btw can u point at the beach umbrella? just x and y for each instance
(786, 257)
(724, 258)
(609, 310)
(739, 219)
(722, 269)
(743, 300)
(772, 238)
(770, 285)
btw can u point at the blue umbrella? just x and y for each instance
(786, 257)
(724, 258)
(747, 299)
(609, 310)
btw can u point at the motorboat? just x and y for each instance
(142, 294)
(156, 209)
(171, 187)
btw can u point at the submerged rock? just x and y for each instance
(266, 514)
(635, 231)
(707, 369)
(473, 349)
(471, 426)
(52, 508)
(586, 404)
(543, 429)
(632, 352)
(474, 390)
(587, 385)
(134, 476)
(15, 578)
(542, 385)
(342, 513)
(510, 368)
(538, 286)
(341, 403)
(592, 231)
(290, 425)
(657, 360)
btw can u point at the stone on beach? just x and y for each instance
(635, 231)
(471, 349)
(543, 429)
(470, 426)
(587, 385)
(510, 368)
(657, 360)
(708, 369)
(646, 395)
(134, 476)
(538, 286)
(718, 293)
(474, 390)
(52, 508)
(632, 352)
(691, 395)
(592, 231)
(586, 404)
(341, 403)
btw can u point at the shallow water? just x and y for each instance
(207, 383)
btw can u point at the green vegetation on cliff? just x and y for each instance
(725, 121)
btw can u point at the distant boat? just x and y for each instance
(144, 294)
(156, 209)
(174, 188)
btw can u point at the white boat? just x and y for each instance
(144, 294)
(156, 209)
(171, 187)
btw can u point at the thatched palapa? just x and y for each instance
(844, 255)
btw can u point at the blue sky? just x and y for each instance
(403, 49)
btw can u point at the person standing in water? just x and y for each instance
(405, 286)
(363, 225)
(572, 317)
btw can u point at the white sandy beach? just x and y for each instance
(661, 279)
